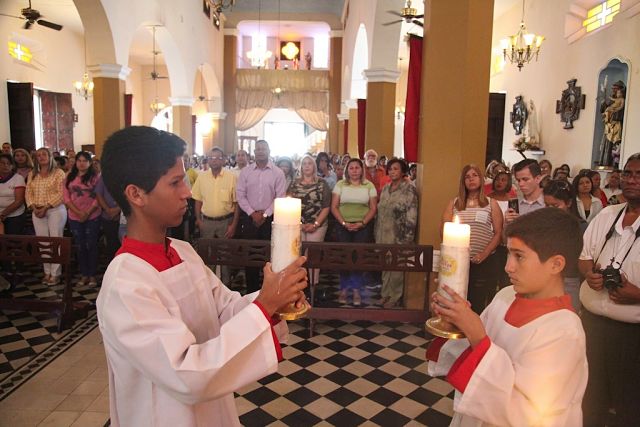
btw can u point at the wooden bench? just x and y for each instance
(336, 257)
(40, 250)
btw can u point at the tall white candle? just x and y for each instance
(454, 258)
(456, 234)
(287, 211)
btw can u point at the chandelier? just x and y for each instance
(259, 55)
(84, 88)
(156, 106)
(218, 5)
(522, 47)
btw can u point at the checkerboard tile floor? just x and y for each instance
(349, 373)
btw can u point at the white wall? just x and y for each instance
(559, 61)
(57, 63)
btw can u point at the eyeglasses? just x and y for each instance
(214, 158)
(627, 174)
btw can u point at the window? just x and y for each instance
(601, 15)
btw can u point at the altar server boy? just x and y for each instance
(523, 362)
(178, 342)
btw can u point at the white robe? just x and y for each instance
(534, 375)
(179, 343)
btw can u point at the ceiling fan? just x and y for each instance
(203, 98)
(32, 16)
(154, 73)
(408, 14)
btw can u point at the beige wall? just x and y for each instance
(559, 61)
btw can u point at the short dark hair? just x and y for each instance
(532, 164)
(218, 149)
(404, 167)
(632, 158)
(562, 190)
(9, 157)
(549, 232)
(576, 181)
(138, 155)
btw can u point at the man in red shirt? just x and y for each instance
(374, 173)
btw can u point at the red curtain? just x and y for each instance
(128, 108)
(346, 136)
(362, 116)
(412, 107)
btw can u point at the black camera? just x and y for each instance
(611, 277)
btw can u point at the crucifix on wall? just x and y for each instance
(570, 104)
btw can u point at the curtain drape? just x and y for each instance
(304, 91)
(362, 121)
(412, 107)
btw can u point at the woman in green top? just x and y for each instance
(354, 206)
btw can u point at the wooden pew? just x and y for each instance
(335, 257)
(40, 250)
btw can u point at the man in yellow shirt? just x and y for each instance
(216, 207)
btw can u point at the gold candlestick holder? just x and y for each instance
(453, 272)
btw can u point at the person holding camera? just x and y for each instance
(610, 297)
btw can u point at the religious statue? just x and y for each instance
(307, 60)
(518, 115)
(276, 62)
(531, 129)
(612, 113)
(570, 104)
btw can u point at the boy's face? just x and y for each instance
(527, 182)
(529, 276)
(167, 202)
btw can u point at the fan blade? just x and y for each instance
(51, 25)
(415, 21)
(11, 16)
(393, 12)
(419, 16)
(27, 25)
(392, 22)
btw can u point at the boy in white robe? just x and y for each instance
(523, 362)
(178, 342)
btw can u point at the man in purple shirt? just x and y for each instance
(258, 186)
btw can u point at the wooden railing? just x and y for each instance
(18, 249)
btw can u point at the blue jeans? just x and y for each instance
(85, 235)
(354, 279)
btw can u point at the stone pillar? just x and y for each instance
(381, 101)
(217, 130)
(108, 101)
(228, 136)
(335, 90)
(182, 120)
(352, 147)
(341, 120)
(454, 108)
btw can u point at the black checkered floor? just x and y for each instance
(23, 335)
(350, 373)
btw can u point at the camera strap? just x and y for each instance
(612, 230)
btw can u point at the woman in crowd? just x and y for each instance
(413, 173)
(323, 165)
(382, 162)
(44, 197)
(484, 216)
(24, 164)
(560, 194)
(316, 203)
(545, 167)
(396, 223)
(12, 187)
(595, 187)
(353, 205)
(588, 205)
(286, 165)
(339, 169)
(84, 215)
(612, 190)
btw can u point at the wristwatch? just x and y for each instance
(264, 215)
(315, 223)
(344, 223)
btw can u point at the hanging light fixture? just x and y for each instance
(156, 106)
(218, 5)
(84, 88)
(259, 55)
(522, 47)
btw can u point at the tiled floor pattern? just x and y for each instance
(349, 373)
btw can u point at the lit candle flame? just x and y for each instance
(456, 220)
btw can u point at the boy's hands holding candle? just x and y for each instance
(458, 311)
(285, 287)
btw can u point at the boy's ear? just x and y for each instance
(135, 195)
(557, 263)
